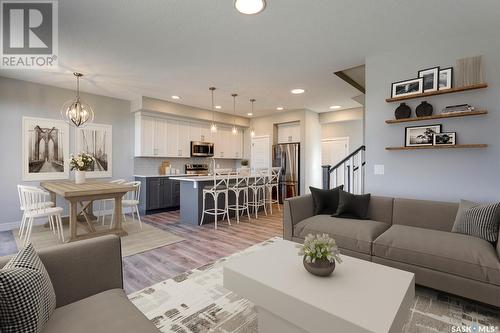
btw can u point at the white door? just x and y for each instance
(332, 152)
(260, 152)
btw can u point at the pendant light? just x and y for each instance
(213, 126)
(235, 130)
(76, 112)
(252, 131)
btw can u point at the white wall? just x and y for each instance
(448, 174)
(21, 98)
(352, 129)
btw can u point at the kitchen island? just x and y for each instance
(191, 199)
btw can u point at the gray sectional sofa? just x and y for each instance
(87, 280)
(412, 235)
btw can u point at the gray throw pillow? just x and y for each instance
(27, 298)
(477, 220)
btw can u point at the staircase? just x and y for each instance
(349, 172)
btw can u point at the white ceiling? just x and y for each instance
(159, 48)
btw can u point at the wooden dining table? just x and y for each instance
(85, 195)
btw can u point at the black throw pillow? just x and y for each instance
(325, 201)
(353, 206)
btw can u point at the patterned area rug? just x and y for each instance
(196, 302)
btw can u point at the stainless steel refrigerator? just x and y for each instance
(287, 156)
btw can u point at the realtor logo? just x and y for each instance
(29, 34)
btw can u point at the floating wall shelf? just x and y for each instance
(438, 147)
(438, 116)
(439, 92)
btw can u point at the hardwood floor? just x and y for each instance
(201, 246)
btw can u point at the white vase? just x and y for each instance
(79, 177)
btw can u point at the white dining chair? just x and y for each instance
(22, 205)
(258, 188)
(103, 204)
(239, 186)
(35, 202)
(273, 183)
(130, 200)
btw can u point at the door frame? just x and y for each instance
(269, 157)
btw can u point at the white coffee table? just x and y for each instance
(359, 296)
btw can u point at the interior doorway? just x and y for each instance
(333, 150)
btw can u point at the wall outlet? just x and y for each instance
(378, 169)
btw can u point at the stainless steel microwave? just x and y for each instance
(202, 149)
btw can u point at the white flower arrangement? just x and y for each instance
(318, 247)
(81, 162)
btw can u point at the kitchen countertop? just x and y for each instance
(204, 178)
(164, 176)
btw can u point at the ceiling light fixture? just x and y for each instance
(297, 91)
(218, 107)
(335, 107)
(249, 7)
(252, 131)
(250, 114)
(279, 108)
(76, 112)
(235, 130)
(175, 97)
(213, 125)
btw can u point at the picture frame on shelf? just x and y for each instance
(445, 78)
(431, 78)
(96, 140)
(407, 87)
(417, 136)
(45, 147)
(445, 139)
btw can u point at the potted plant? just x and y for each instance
(320, 253)
(80, 163)
(244, 163)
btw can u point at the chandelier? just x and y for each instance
(76, 112)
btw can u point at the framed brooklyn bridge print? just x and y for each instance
(45, 149)
(96, 140)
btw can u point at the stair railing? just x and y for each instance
(349, 172)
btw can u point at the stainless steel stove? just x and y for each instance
(196, 169)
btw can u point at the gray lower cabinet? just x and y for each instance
(158, 193)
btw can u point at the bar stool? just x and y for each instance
(240, 185)
(35, 206)
(220, 186)
(272, 183)
(22, 207)
(258, 188)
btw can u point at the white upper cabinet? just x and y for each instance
(166, 137)
(183, 140)
(289, 132)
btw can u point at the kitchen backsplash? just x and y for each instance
(150, 165)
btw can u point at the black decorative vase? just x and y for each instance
(424, 109)
(402, 111)
(321, 267)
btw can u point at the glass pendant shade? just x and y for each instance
(252, 131)
(235, 130)
(76, 112)
(213, 125)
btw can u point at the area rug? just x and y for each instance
(196, 302)
(138, 240)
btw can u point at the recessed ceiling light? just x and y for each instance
(175, 97)
(279, 108)
(250, 114)
(297, 91)
(335, 107)
(249, 7)
(218, 107)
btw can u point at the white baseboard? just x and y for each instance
(9, 225)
